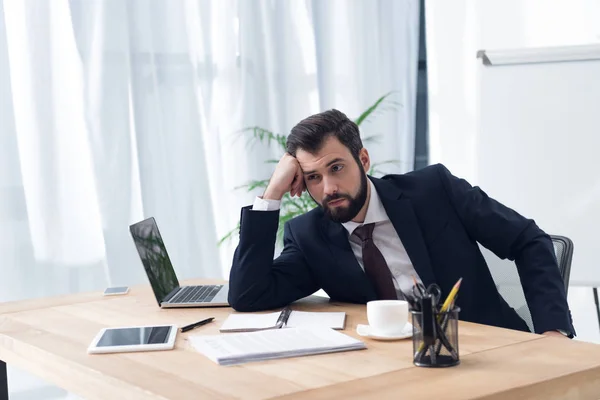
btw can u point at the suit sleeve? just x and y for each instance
(512, 236)
(256, 281)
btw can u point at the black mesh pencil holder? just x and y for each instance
(435, 338)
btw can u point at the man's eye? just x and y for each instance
(311, 177)
(337, 168)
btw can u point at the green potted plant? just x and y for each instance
(292, 207)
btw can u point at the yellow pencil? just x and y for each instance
(451, 296)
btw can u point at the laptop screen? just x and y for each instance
(154, 257)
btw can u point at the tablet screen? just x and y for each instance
(133, 336)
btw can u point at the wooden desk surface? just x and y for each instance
(49, 337)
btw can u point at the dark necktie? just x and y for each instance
(375, 266)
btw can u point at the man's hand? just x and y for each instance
(555, 333)
(286, 178)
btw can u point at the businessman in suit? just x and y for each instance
(369, 236)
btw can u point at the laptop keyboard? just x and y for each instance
(196, 294)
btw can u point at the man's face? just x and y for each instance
(335, 180)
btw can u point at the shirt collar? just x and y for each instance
(375, 211)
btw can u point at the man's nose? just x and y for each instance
(329, 186)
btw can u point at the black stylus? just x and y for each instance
(197, 324)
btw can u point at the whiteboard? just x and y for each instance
(538, 145)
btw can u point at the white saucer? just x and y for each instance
(366, 331)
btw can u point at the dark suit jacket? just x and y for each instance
(439, 218)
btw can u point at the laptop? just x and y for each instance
(162, 277)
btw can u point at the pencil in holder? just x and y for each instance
(435, 338)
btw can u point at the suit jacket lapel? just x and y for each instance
(404, 219)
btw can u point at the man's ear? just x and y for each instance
(364, 158)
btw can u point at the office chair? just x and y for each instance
(509, 284)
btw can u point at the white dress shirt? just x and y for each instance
(384, 236)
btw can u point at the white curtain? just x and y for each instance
(112, 111)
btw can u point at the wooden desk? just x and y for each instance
(49, 337)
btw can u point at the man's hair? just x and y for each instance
(310, 133)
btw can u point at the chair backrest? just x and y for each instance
(563, 248)
(509, 284)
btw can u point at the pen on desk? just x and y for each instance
(283, 317)
(197, 324)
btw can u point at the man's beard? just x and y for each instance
(355, 204)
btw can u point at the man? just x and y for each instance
(369, 236)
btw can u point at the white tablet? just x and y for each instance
(134, 338)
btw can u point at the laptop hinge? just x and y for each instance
(171, 294)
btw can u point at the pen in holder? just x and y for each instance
(435, 336)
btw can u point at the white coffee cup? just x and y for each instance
(387, 317)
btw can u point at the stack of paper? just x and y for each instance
(238, 348)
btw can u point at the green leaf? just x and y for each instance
(264, 135)
(372, 109)
(229, 235)
(309, 203)
(287, 202)
(250, 186)
(299, 204)
(280, 231)
(289, 215)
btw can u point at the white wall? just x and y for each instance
(457, 29)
